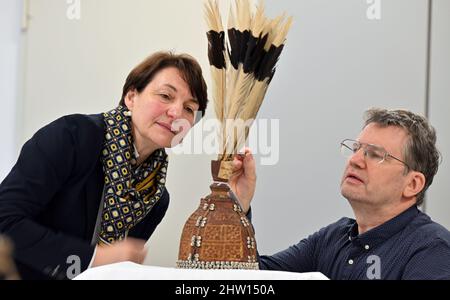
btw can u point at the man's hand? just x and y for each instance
(243, 180)
(128, 250)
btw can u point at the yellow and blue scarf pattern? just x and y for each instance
(130, 191)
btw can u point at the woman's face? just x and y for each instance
(163, 112)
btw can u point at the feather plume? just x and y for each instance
(216, 55)
(243, 63)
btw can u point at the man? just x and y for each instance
(390, 166)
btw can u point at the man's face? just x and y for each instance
(370, 182)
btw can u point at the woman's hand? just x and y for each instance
(243, 180)
(129, 249)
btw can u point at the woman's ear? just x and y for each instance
(415, 185)
(130, 98)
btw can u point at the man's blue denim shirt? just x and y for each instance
(409, 246)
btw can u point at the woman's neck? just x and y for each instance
(143, 148)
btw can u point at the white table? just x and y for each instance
(132, 271)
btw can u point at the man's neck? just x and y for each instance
(369, 216)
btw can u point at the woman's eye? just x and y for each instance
(189, 110)
(165, 96)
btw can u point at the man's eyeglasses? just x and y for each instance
(372, 152)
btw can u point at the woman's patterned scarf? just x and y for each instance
(130, 191)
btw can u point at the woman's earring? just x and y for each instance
(127, 113)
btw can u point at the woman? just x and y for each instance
(84, 183)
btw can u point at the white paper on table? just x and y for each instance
(132, 271)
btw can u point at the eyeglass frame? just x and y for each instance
(385, 153)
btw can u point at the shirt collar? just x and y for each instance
(136, 153)
(384, 231)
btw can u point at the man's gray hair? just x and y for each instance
(420, 152)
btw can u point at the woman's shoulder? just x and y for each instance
(82, 122)
(77, 131)
(76, 124)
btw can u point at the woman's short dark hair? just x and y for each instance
(420, 151)
(188, 67)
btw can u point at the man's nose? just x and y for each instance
(358, 159)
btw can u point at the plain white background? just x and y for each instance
(336, 64)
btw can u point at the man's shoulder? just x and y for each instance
(424, 228)
(341, 226)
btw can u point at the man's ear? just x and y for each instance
(415, 185)
(130, 98)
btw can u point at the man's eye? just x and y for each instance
(189, 110)
(374, 154)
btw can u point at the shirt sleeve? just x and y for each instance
(93, 257)
(296, 258)
(44, 166)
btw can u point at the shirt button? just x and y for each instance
(366, 247)
(350, 261)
